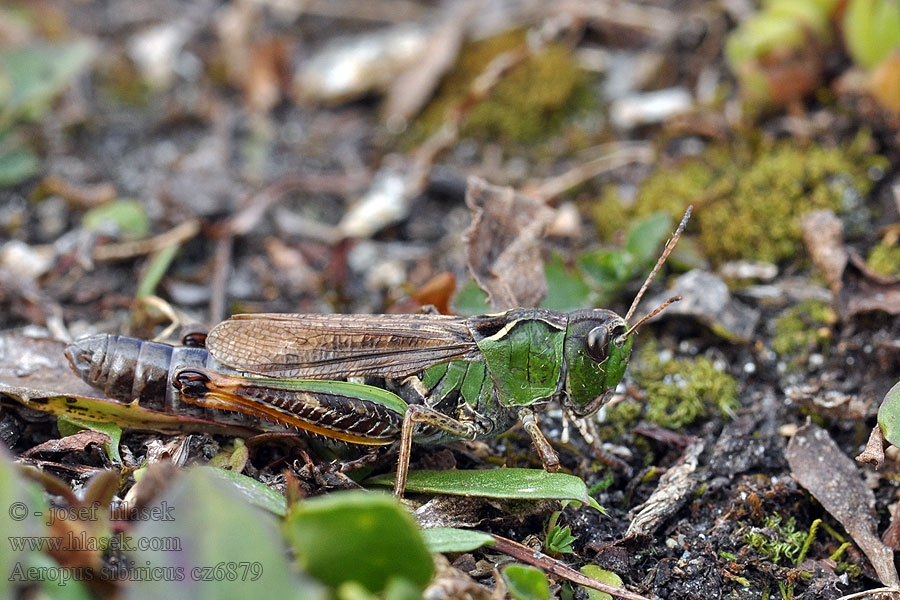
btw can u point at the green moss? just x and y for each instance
(804, 328)
(530, 102)
(609, 214)
(749, 200)
(680, 392)
(620, 416)
(778, 540)
(884, 260)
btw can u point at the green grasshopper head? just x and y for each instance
(598, 344)
(596, 352)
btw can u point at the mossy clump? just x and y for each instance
(804, 328)
(682, 391)
(748, 200)
(884, 260)
(609, 213)
(779, 540)
(530, 102)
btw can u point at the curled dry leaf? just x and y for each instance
(874, 452)
(856, 288)
(504, 249)
(818, 464)
(71, 443)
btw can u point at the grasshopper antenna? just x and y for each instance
(658, 310)
(666, 251)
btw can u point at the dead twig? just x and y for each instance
(125, 250)
(555, 567)
(613, 156)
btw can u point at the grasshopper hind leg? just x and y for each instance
(420, 414)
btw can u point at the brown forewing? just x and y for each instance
(334, 346)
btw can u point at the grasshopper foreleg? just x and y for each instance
(545, 451)
(418, 414)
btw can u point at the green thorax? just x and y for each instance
(523, 353)
(468, 378)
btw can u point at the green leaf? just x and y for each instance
(526, 583)
(603, 576)
(17, 164)
(646, 237)
(514, 484)
(36, 73)
(889, 415)
(127, 216)
(565, 290)
(210, 544)
(355, 536)
(71, 425)
(609, 269)
(559, 540)
(451, 539)
(872, 30)
(253, 491)
(23, 506)
(471, 300)
(53, 589)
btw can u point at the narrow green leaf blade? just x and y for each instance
(362, 537)
(451, 539)
(514, 484)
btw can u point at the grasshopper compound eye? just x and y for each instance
(596, 343)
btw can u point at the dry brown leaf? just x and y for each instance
(831, 476)
(504, 244)
(856, 288)
(824, 237)
(436, 292)
(268, 75)
(75, 442)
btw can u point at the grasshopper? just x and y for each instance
(465, 378)
(468, 378)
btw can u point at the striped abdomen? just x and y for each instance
(128, 369)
